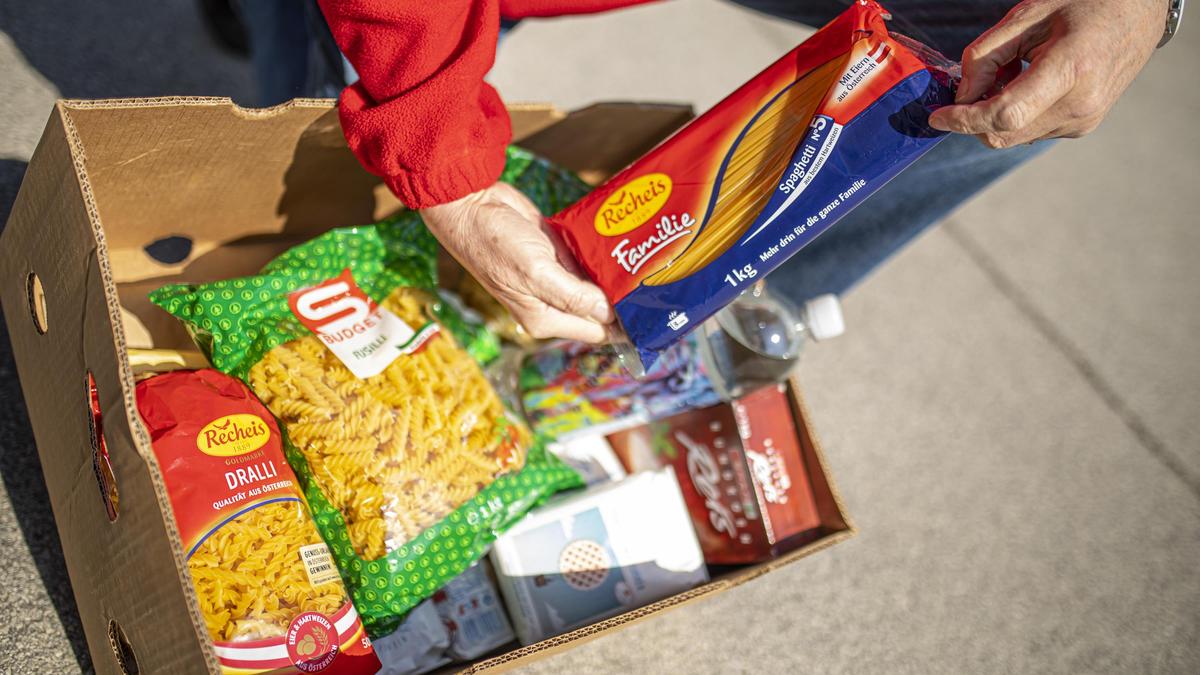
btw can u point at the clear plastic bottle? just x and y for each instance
(757, 339)
(570, 388)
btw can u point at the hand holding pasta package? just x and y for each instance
(407, 456)
(684, 230)
(266, 584)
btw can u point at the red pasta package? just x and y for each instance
(267, 586)
(687, 228)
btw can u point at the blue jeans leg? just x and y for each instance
(328, 71)
(279, 48)
(923, 194)
(920, 196)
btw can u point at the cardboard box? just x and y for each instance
(122, 196)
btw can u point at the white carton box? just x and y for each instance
(596, 554)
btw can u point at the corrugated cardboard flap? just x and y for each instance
(127, 573)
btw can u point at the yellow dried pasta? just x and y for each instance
(249, 576)
(398, 451)
(756, 163)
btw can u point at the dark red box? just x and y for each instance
(741, 470)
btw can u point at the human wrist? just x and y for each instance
(447, 182)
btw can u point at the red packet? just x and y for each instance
(682, 231)
(741, 472)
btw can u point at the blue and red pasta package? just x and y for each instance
(680, 233)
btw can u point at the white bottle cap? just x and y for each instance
(824, 314)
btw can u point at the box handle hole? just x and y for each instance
(122, 650)
(37, 303)
(100, 463)
(170, 250)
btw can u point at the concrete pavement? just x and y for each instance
(1011, 414)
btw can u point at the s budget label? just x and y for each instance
(363, 335)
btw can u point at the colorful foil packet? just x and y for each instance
(569, 388)
(681, 232)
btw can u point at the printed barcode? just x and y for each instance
(483, 627)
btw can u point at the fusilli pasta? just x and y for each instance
(250, 579)
(398, 451)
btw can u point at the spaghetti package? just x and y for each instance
(731, 196)
(268, 590)
(409, 460)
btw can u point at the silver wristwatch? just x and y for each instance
(1174, 17)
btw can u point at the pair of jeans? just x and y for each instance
(292, 52)
(920, 196)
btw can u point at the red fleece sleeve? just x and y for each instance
(520, 9)
(421, 116)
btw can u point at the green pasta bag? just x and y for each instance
(409, 460)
